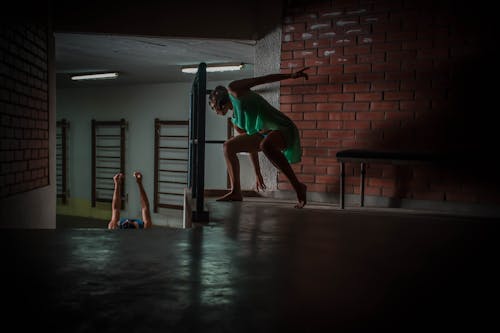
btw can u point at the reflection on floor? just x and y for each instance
(257, 267)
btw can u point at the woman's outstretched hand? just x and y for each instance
(300, 73)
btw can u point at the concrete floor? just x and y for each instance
(258, 267)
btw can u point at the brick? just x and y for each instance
(386, 67)
(308, 142)
(334, 69)
(315, 151)
(302, 89)
(341, 116)
(290, 99)
(386, 47)
(304, 54)
(400, 75)
(326, 179)
(330, 124)
(321, 43)
(360, 68)
(302, 124)
(286, 55)
(356, 87)
(357, 50)
(355, 124)
(384, 106)
(314, 169)
(400, 115)
(330, 88)
(315, 98)
(296, 27)
(316, 61)
(343, 78)
(371, 115)
(329, 143)
(290, 46)
(374, 96)
(295, 63)
(329, 107)
(369, 77)
(384, 85)
(295, 116)
(314, 134)
(345, 97)
(371, 58)
(342, 60)
(309, 107)
(316, 115)
(401, 95)
(326, 161)
(341, 134)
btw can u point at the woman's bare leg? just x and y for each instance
(146, 214)
(272, 147)
(238, 144)
(116, 204)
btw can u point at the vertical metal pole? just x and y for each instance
(362, 185)
(123, 124)
(93, 162)
(157, 159)
(342, 183)
(64, 158)
(230, 134)
(192, 138)
(200, 136)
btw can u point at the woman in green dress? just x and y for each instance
(262, 128)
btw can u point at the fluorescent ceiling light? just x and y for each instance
(95, 76)
(213, 68)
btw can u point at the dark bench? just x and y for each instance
(364, 156)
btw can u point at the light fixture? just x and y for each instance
(213, 68)
(96, 76)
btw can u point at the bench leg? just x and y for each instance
(342, 179)
(362, 185)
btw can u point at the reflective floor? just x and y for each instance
(257, 267)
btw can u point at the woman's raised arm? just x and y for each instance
(245, 84)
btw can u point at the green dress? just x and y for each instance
(253, 113)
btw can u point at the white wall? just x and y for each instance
(139, 105)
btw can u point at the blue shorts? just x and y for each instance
(124, 223)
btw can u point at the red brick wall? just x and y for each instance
(409, 75)
(24, 113)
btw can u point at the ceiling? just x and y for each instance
(145, 60)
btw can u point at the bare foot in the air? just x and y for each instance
(231, 196)
(118, 178)
(301, 196)
(138, 176)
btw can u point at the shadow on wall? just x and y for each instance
(455, 113)
(461, 128)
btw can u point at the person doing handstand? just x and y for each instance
(262, 128)
(128, 223)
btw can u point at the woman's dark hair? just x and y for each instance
(219, 96)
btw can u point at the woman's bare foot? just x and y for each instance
(301, 196)
(138, 176)
(231, 196)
